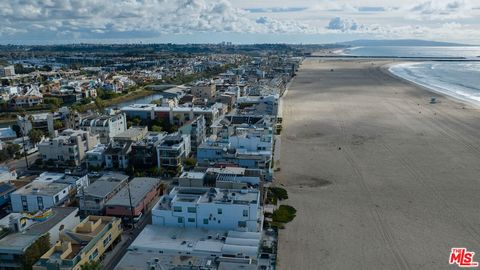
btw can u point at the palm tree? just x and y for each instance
(91, 265)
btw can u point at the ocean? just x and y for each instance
(459, 79)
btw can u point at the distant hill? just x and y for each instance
(399, 42)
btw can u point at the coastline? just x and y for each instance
(380, 178)
(445, 92)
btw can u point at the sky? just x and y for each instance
(237, 21)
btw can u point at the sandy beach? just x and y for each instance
(381, 178)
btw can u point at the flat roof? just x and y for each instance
(139, 188)
(18, 242)
(105, 184)
(207, 196)
(174, 239)
(149, 107)
(134, 260)
(41, 188)
(196, 241)
(132, 132)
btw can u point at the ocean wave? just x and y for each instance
(456, 79)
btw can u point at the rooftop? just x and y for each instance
(207, 195)
(18, 242)
(41, 188)
(139, 187)
(200, 242)
(105, 184)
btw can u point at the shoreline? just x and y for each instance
(380, 178)
(446, 93)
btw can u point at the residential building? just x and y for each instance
(68, 148)
(7, 71)
(117, 155)
(7, 133)
(173, 248)
(106, 126)
(133, 134)
(25, 101)
(140, 192)
(144, 152)
(171, 153)
(204, 90)
(223, 177)
(95, 158)
(27, 231)
(39, 195)
(197, 130)
(41, 121)
(7, 175)
(5, 190)
(210, 208)
(174, 114)
(93, 198)
(86, 242)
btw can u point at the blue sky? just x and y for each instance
(239, 21)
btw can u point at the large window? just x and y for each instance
(219, 211)
(245, 213)
(40, 203)
(180, 220)
(177, 209)
(191, 220)
(192, 210)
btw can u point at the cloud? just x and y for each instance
(344, 24)
(441, 10)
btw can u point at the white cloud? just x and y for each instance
(130, 19)
(441, 10)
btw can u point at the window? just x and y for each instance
(180, 220)
(242, 224)
(40, 203)
(177, 209)
(245, 213)
(107, 240)
(56, 198)
(191, 220)
(219, 211)
(93, 255)
(192, 210)
(205, 221)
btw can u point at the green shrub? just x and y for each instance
(284, 214)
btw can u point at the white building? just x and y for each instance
(69, 147)
(210, 208)
(39, 195)
(106, 126)
(159, 247)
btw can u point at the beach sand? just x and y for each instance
(381, 178)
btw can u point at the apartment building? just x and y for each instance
(210, 208)
(141, 191)
(196, 128)
(171, 153)
(106, 126)
(86, 242)
(68, 148)
(93, 198)
(39, 195)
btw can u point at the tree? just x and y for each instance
(156, 128)
(35, 136)
(91, 265)
(57, 124)
(35, 251)
(100, 104)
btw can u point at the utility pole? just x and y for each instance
(23, 140)
(131, 207)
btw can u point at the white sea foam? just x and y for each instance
(457, 79)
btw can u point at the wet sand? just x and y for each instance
(381, 178)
